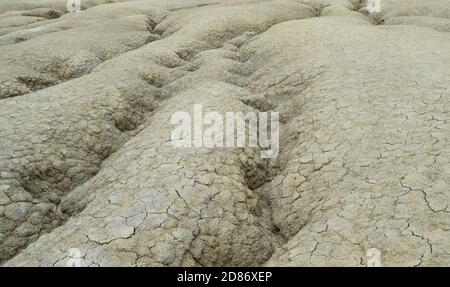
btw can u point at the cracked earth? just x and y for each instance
(86, 160)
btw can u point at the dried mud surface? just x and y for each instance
(86, 160)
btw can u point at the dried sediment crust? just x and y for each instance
(110, 105)
(88, 163)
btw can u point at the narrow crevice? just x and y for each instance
(35, 83)
(193, 7)
(49, 14)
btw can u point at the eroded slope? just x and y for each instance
(363, 162)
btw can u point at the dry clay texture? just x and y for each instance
(86, 160)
